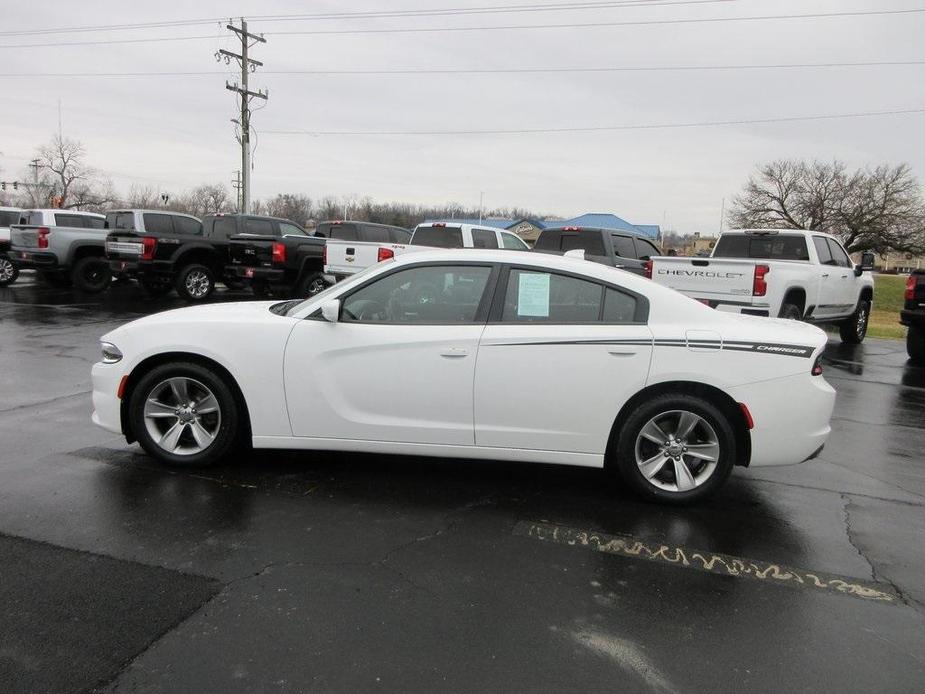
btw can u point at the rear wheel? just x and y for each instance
(791, 312)
(311, 284)
(9, 273)
(915, 344)
(676, 449)
(91, 274)
(854, 329)
(184, 414)
(195, 282)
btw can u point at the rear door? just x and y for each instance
(559, 357)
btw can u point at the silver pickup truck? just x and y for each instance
(8, 271)
(64, 246)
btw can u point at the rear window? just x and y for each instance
(7, 218)
(259, 227)
(557, 240)
(375, 234)
(438, 237)
(187, 225)
(344, 232)
(223, 227)
(121, 220)
(761, 247)
(158, 223)
(400, 235)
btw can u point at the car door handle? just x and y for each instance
(621, 351)
(454, 352)
(825, 275)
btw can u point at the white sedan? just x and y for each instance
(502, 355)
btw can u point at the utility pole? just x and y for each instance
(236, 184)
(722, 215)
(248, 65)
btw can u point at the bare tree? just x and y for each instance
(877, 209)
(63, 158)
(297, 208)
(142, 197)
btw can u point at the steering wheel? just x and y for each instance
(366, 310)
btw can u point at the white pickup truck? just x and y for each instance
(8, 271)
(344, 258)
(793, 273)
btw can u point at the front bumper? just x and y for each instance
(107, 407)
(33, 260)
(792, 418)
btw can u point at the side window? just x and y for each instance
(259, 227)
(513, 243)
(158, 223)
(484, 239)
(618, 307)
(188, 226)
(822, 250)
(429, 294)
(223, 227)
(121, 220)
(535, 296)
(399, 235)
(623, 246)
(838, 254)
(287, 229)
(645, 250)
(69, 220)
(375, 234)
(94, 223)
(344, 232)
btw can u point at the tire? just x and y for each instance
(915, 344)
(55, 278)
(313, 283)
(155, 287)
(195, 282)
(9, 273)
(658, 481)
(854, 329)
(261, 289)
(790, 312)
(173, 432)
(91, 274)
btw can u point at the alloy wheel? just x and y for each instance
(197, 284)
(6, 270)
(182, 416)
(677, 451)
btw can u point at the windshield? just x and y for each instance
(353, 279)
(7, 218)
(772, 247)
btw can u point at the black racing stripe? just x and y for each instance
(780, 349)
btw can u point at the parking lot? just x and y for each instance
(343, 572)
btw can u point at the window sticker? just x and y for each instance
(533, 295)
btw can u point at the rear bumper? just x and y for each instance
(262, 274)
(133, 267)
(914, 319)
(33, 260)
(792, 418)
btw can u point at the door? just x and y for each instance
(846, 285)
(830, 281)
(558, 359)
(398, 365)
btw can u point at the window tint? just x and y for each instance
(618, 307)
(94, 223)
(838, 254)
(591, 242)
(430, 294)
(482, 238)
(69, 220)
(158, 223)
(121, 220)
(645, 250)
(822, 250)
(7, 218)
(287, 229)
(623, 246)
(188, 226)
(543, 297)
(259, 227)
(375, 234)
(33, 218)
(223, 227)
(399, 235)
(344, 232)
(439, 237)
(766, 247)
(513, 242)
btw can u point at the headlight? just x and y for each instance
(111, 353)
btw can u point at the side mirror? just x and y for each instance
(867, 263)
(330, 310)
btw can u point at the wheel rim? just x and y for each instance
(861, 327)
(182, 416)
(677, 451)
(197, 283)
(6, 270)
(315, 286)
(94, 276)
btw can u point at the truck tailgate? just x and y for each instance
(706, 278)
(251, 251)
(349, 257)
(24, 236)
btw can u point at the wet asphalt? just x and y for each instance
(324, 572)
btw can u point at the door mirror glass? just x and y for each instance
(330, 310)
(867, 261)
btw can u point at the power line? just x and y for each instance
(489, 71)
(599, 128)
(109, 42)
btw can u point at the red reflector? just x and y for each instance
(705, 302)
(439, 224)
(324, 255)
(748, 416)
(121, 391)
(817, 367)
(910, 288)
(647, 267)
(279, 253)
(385, 254)
(149, 243)
(760, 285)
(43, 237)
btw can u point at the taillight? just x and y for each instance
(910, 288)
(149, 243)
(817, 366)
(571, 228)
(43, 237)
(279, 253)
(760, 285)
(647, 267)
(385, 254)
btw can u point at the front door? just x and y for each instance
(830, 281)
(399, 364)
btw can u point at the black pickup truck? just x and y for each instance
(622, 249)
(291, 264)
(168, 251)
(913, 316)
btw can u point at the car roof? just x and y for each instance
(453, 225)
(618, 232)
(82, 213)
(10, 209)
(149, 211)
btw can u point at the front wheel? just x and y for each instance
(854, 329)
(676, 449)
(91, 274)
(184, 414)
(313, 283)
(9, 273)
(915, 344)
(195, 282)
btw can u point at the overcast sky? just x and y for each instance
(174, 132)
